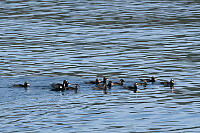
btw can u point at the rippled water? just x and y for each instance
(47, 41)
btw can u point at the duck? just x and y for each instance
(120, 82)
(133, 88)
(75, 88)
(25, 85)
(152, 79)
(59, 86)
(93, 82)
(168, 83)
(104, 88)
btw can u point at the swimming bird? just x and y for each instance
(120, 82)
(168, 83)
(93, 82)
(25, 85)
(59, 86)
(104, 88)
(133, 88)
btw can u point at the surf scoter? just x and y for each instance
(59, 86)
(168, 83)
(25, 85)
(133, 88)
(119, 83)
(93, 82)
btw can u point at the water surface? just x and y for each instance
(48, 41)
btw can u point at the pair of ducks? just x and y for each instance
(97, 82)
(55, 86)
(104, 86)
(165, 83)
(99, 86)
(64, 86)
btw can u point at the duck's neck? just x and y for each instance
(171, 82)
(66, 84)
(109, 84)
(104, 80)
(76, 87)
(152, 79)
(63, 86)
(97, 81)
(135, 86)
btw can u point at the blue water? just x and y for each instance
(45, 42)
